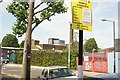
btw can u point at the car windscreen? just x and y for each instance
(61, 72)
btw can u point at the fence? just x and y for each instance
(97, 62)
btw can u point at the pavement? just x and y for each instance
(89, 73)
(35, 69)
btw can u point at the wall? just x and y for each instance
(47, 46)
(34, 43)
(117, 62)
(110, 62)
(52, 47)
(117, 45)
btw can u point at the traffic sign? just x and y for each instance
(82, 15)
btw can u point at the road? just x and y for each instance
(16, 71)
(6, 77)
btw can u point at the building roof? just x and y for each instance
(11, 48)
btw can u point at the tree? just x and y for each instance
(26, 19)
(10, 41)
(20, 11)
(90, 45)
(22, 44)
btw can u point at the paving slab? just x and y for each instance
(89, 73)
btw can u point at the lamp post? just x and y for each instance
(113, 39)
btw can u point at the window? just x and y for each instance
(46, 74)
(43, 72)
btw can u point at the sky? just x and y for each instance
(60, 24)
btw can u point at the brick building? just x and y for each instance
(109, 50)
(37, 45)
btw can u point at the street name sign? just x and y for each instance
(82, 15)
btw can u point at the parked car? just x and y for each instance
(57, 73)
(5, 60)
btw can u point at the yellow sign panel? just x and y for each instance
(82, 15)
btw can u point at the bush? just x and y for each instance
(41, 58)
(18, 57)
(49, 59)
(74, 54)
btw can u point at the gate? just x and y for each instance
(97, 62)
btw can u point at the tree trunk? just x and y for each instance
(25, 75)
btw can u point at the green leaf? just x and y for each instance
(20, 11)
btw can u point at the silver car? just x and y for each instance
(57, 73)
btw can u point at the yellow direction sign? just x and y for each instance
(82, 15)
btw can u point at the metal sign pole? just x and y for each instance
(80, 56)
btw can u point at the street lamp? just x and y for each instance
(113, 38)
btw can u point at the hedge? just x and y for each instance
(41, 58)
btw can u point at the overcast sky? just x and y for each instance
(59, 26)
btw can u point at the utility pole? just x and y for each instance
(71, 37)
(27, 46)
(70, 44)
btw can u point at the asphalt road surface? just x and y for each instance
(16, 71)
(6, 77)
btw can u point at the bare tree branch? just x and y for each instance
(40, 11)
(38, 5)
(42, 21)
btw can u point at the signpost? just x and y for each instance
(82, 15)
(81, 20)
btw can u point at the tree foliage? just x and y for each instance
(10, 41)
(20, 11)
(27, 22)
(22, 44)
(90, 45)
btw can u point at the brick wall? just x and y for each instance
(117, 45)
